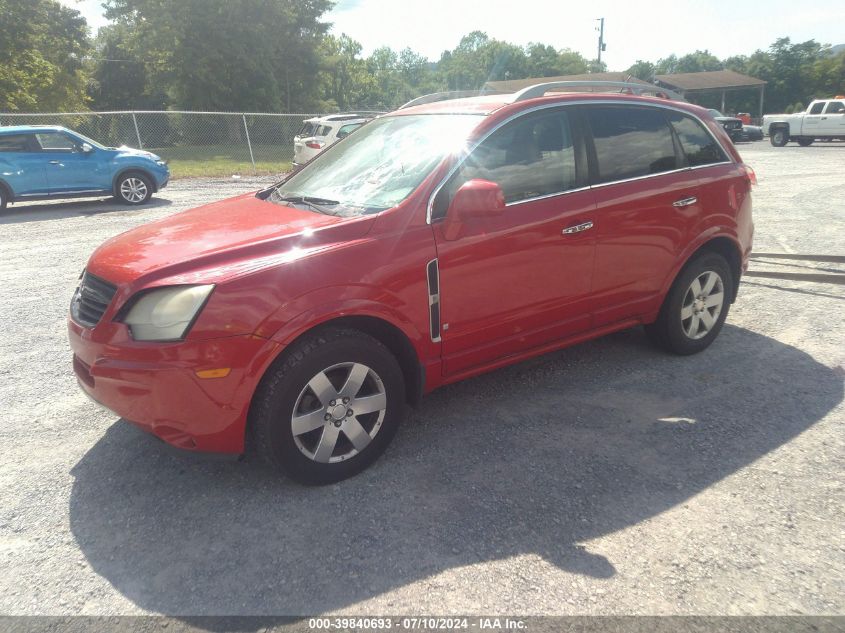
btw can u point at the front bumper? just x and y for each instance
(156, 386)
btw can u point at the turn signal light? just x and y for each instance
(221, 372)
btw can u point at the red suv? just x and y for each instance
(436, 243)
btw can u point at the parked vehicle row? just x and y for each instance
(436, 243)
(318, 133)
(40, 162)
(824, 119)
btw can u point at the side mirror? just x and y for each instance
(474, 199)
(86, 148)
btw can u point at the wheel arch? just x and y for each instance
(391, 336)
(10, 194)
(779, 125)
(727, 248)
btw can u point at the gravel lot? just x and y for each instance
(703, 485)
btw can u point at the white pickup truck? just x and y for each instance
(824, 119)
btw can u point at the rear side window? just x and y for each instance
(699, 147)
(631, 142)
(307, 129)
(817, 108)
(835, 107)
(14, 143)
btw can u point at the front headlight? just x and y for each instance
(161, 163)
(165, 314)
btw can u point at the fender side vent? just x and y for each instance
(433, 278)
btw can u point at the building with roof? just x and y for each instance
(719, 81)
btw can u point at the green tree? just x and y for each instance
(228, 54)
(829, 75)
(642, 70)
(478, 59)
(698, 62)
(345, 83)
(120, 76)
(42, 45)
(543, 60)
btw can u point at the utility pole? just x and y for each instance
(602, 45)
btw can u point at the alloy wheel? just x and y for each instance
(339, 412)
(133, 189)
(702, 305)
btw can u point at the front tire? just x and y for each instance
(695, 307)
(330, 408)
(805, 142)
(779, 137)
(133, 188)
(4, 198)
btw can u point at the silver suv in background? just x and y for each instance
(318, 133)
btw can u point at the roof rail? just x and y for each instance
(445, 96)
(625, 87)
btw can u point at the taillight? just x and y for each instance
(315, 144)
(752, 177)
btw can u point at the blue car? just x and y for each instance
(39, 162)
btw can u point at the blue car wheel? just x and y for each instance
(133, 188)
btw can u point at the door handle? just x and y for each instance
(54, 162)
(578, 228)
(685, 202)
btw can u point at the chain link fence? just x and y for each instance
(194, 143)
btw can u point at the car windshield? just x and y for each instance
(716, 113)
(378, 166)
(90, 141)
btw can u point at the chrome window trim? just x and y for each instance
(662, 173)
(565, 104)
(548, 195)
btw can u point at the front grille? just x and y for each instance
(91, 299)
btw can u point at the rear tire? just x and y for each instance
(304, 419)
(695, 307)
(779, 137)
(4, 198)
(805, 142)
(133, 188)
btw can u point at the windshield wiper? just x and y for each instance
(318, 204)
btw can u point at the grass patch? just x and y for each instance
(225, 160)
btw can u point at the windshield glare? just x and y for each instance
(381, 164)
(716, 113)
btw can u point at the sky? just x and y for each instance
(633, 30)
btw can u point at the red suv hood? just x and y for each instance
(218, 239)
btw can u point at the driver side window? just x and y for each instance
(55, 142)
(528, 158)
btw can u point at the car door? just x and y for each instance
(833, 119)
(646, 204)
(521, 279)
(22, 166)
(812, 120)
(69, 170)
